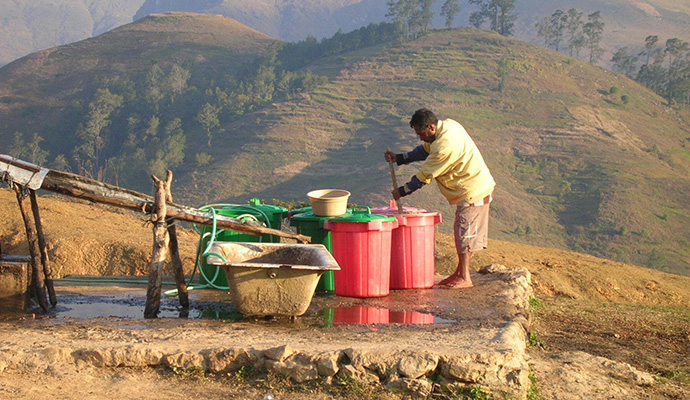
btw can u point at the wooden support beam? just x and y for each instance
(34, 249)
(89, 189)
(47, 269)
(182, 293)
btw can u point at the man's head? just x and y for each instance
(424, 123)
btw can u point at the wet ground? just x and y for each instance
(112, 299)
(94, 298)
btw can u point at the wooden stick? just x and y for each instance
(34, 250)
(161, 240)
(182, 293)
(47, 269)
(395, 183)
(99, 192)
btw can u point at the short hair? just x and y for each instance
(422, 118)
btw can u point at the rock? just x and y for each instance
(416, 365)
(279, 353)
(228, 360)
(362, 375)
(382, 363)
(300, 368)
(463, 368)
(327, 364)
(185, 360)
(415, 388)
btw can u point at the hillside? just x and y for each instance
(57, 83)
(577, 166)
(585, 307)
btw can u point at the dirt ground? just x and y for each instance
(599, 325)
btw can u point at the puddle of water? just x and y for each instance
(215, 305)
(132, 307)
(365, 315)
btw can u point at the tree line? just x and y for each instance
(664, 69)
(412, 18)
(569, 30)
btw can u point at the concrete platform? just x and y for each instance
(417, 341)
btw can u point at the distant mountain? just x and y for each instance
(286, 20)
(584, 159)
(30, 25)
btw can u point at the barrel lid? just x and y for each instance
(310, 216)
(300, 210)
(393, 209)
(267, 208)
(361, 214)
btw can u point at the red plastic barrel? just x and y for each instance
(361, 245)
(412, 248)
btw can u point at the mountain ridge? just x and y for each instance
(627, 23)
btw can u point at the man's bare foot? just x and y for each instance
(455, 283)
(447, 280)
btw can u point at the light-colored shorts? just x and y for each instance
(471, 228)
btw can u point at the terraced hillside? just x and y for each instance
(577, 166)
(584, 159)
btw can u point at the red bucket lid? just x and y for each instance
(393, 209)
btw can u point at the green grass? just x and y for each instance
(533, 392)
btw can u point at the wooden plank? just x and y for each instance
(89, 189)
(45, 260)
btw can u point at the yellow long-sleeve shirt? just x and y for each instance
(457, 165)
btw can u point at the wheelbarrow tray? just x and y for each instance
(271, 278)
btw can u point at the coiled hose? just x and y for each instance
(202, 255)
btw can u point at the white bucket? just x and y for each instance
(328, 202)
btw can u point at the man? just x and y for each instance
(451, 157)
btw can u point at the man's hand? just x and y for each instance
(389, 156)
(396, 194)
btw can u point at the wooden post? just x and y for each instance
(34, 250)
(160, 248)
(395, 184)
(47, 270)
(182, 293)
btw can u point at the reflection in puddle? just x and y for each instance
(365, 315)
(213, 305)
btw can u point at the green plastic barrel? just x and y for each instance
(311, 225)
(271, 215)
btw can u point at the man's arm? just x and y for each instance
(408, 188)
(418, 154)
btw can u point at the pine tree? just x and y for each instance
(450, 9)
